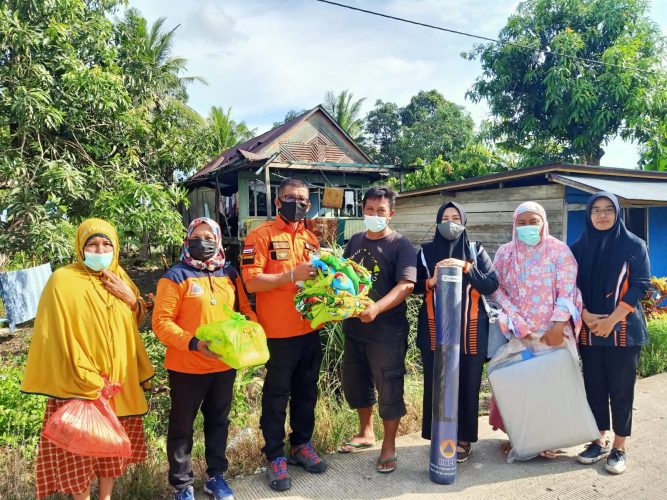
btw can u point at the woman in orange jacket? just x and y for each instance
(195, 292)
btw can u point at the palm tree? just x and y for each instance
(224, 131)
(152, 72)
(345, 111)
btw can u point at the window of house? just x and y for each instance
(257, 199)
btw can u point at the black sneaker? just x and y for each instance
(278, 475)
(616, 462)
(593, 453)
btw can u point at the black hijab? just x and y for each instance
(442, 248)
(601, 256)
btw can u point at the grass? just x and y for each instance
(653, 359)
(21, 418)
(21, 415)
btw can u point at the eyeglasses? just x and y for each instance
(292, 199)
(606, 211)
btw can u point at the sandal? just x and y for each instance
(462, 456)
(354, 446)
(549, 454)
(383, 461)
(506, 447)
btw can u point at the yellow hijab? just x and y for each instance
(83, 333)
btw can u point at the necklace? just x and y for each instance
(210, 284)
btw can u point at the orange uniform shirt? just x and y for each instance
(183, 303)
(275, 248)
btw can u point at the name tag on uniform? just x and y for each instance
(279, 245)
(279, 250)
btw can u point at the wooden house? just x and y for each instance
(237, 188)
(561, 189)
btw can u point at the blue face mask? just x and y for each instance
(530, 235)
(375, 223)
(98, 261)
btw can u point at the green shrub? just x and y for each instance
(653, 359)
(20, 414)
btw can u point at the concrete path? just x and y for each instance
(486, 473)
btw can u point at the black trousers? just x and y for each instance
(470, 380)
(213, 393)
(291, 376)
(609, 377)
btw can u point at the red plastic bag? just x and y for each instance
(88, 428)
(495, 419)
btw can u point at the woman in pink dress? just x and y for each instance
(538, 293)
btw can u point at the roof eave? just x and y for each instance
(532, 171)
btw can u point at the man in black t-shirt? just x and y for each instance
(376, 341)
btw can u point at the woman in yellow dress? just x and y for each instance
(86, 338)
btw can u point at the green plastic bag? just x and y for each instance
(239, 342)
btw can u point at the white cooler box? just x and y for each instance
(543, 404)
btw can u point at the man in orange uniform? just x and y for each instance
(275, 257)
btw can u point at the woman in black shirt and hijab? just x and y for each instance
(613, 277)
(451, 247)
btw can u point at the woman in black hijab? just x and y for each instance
(613, 277)
(451, 247)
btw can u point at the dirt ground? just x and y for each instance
(146, 278)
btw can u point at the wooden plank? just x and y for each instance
(497, 205)
(541, 194)
(519, 194)
(479, 207)
(417, 201)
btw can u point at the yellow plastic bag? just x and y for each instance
(239, 342)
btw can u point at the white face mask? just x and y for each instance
(98, 261)
(375, 223)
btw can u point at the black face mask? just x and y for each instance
(202, 250)
(292, 211)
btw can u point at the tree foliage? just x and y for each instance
(383, 130)
(93, 121)
(550, 101)
(345, 111)
(427, 127)
(289, 116)
(474, 160)
(224, 132)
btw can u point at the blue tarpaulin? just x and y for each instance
(20, 291)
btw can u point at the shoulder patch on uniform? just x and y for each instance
(249, 250)
(248, 259)
(310, 247)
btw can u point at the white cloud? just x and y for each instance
(264, 58)
(209, 23)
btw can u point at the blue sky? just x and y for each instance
(265, 57)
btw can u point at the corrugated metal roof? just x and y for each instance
(511, 175)
(250, 148)
(633, 191)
